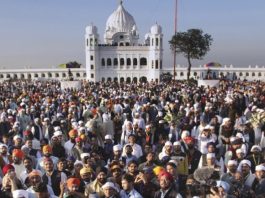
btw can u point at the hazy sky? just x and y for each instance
(46, 33)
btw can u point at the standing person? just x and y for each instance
(128, 190)
(5, 158)
(167, 188)
(53, 177)
(37, 130)
(110, 190)
(96, 185)
(260, 175)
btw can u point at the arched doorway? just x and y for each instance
(135, 79)
(128, 80)
(143, 79)
(121, 80)
(115, 79)
(109, 79)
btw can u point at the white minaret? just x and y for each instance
(156, 52)
(92, 53)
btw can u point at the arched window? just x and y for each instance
(121, 44)
(102, 62)
(195, 74)
(64, 75)
(109, 62)
(121, 61)
(121, 80)
(127, 44)
(78, 75)
(84, 74)
(143, 61)
(115, 62)
(1, 76)
(181, 74)
(156, 41)
(135, 79)
(56, 75)
(109, 79)
(156, 64)
(253, 74)
(36, 75)
(22, 76)
(247, 74)
(29, 76)
(49, 74)
(128, 80)
(240, 74)
(115, 79)
(103, 79)
(259, 74)
(128, 62)
(15, 76)
(135, 61)
(43, 75)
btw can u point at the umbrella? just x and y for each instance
(213, 64)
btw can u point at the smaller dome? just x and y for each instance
(156, 29)
(91, 29)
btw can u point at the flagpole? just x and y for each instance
(175, 33)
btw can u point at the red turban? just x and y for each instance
(6, 168)
(189, 140)
(18, 153)
(167, 175)
(78, 139)
(27, 133)
(72, 181)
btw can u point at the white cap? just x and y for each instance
(161, 121)
(177, 143)
(57, 133)
(117, 147)
(173, 162)
(80, 122)
(260, 168)
(20, 193)
(108, 137)
(225, 120)
(232, 162)
(210, 155)
(245, 162)
(168, 143)
(78, 162)
(16, 137)
(57, 128)
(3, 145)
(46, 119)
(254, 147)
(224, 185)
(110, 185)
(83, 155)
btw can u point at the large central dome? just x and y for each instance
(120, 21)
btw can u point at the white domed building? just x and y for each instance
(121, 57)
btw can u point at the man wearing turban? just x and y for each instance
(17, 156)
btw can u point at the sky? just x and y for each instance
(46, 33)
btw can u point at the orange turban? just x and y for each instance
(158, 169)
(18, 153)
(71, 181)
(47, 149)
(73, 133)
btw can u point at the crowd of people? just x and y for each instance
(150, 140)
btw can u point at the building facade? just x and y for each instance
(122, 57)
